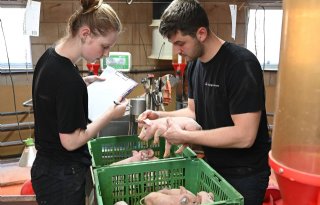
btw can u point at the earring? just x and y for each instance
(83, 40)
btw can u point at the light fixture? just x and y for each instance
(161, 47)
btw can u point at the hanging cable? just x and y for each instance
(12, 84)
(163, 44)
(144, 47)
(264, 38)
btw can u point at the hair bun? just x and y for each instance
(90, 5)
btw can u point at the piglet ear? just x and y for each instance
(150, 152)
(147, 122)
(183, 190)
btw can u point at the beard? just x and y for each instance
(197, 52)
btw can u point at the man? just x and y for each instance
(225, 96)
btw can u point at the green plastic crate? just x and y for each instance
(132, 182)
(109, 149)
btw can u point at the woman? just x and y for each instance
(60, 103)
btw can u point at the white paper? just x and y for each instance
(233, 10)
(179, 59)
(101, 94)
(32, 18)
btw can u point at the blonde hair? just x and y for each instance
(98, 16)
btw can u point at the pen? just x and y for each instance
(118, 103)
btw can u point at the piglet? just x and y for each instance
(137, 156)
(155, 128)
(171, 197)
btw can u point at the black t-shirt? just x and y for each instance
(230, 83)
(60, 103)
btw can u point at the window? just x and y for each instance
(264, 35)
(13, 43)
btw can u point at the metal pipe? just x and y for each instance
(16, 126)
(270, 114)
(11, 143)
(137, 70)
(15, 113)
(134, 71)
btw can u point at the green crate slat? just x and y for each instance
(132, 182)
(109, 149)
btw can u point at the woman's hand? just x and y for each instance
(92, 78)
(118, 110)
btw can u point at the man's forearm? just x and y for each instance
(184, 112)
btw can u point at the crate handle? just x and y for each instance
(142, 201)
(92, 177)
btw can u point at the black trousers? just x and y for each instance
(252, 187)
(57, 184)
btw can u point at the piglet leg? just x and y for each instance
(157, 135)
(167, 149)
(180, 150)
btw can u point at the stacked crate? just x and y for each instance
(132, 182)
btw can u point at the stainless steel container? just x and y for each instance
(138, 106)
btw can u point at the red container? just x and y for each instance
(179, 68)
(179, 64)
(94, 68)
(296, 187)
(27, 188)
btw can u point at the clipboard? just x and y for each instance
(101, 94)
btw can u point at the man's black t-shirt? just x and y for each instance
(60, 103)
(230, 83)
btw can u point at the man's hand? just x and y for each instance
(148, 114)
(174, 133)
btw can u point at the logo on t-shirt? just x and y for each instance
(211, 85)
